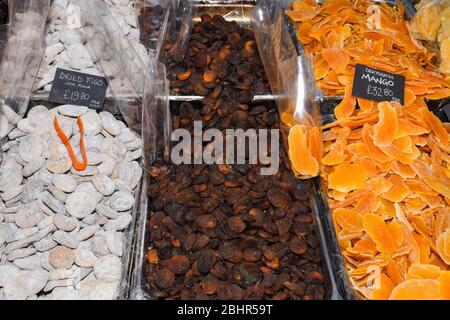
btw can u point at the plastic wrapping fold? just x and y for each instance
(178, 30)
(153, 16)
(290, 77)
(432, 23)
(128, 78)
(156, 115)
(141, 96)
(22, 49)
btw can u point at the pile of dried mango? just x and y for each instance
(385, 167)
(388, 182)
(342, 33)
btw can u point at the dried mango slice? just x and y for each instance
(299, 153)
(345, 108)
(364, 248)
(423, 271)
(402, 170)
(347, 177)
(378, 231)
(369, 167)
(437, 261)
(416, 289)
(396, 231)
(424, 248)
(442, 221)
(349, 220)
(394, 272)
(383, 288)
(385, 131)
(436, 126)
(443, 246)
(367, 203)
(410, 97)
(302, 12)
(373, 150)
(399, 190)
(395, 153)
(315, 144)
(444, 285)
(336, 58)
(439, 94)
(404, 144)
(415, 205)
(366, 106)
(414, 254)
(386, 208)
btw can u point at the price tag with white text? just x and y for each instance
(79, 89)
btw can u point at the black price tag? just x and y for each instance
(378, 85)
(79, 89)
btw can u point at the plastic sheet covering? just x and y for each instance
(288, 69)
(432, 23)
(178, 29)
(21, 49)
(152, 27)
(129, 78)
(156, 114)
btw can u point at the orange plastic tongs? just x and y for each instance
(80, 166)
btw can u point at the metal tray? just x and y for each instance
(338, 289)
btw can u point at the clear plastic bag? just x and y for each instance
(22, 49)
(288, 69)
(141, 94)
(153, 16)
(156, 114)
(178, 30)
(432, 23)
